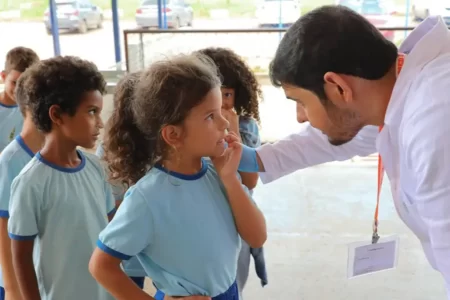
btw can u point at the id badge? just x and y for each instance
(366, 258)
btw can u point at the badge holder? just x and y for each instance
(377, 255)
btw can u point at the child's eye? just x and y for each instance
(210, 117)
(92, 111)
(227, 95)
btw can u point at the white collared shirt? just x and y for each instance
(414, 143)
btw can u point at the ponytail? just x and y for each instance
(126, 148)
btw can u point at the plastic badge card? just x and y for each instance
(366, 258)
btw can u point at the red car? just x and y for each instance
(376, 11)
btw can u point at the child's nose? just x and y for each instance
(226, 124)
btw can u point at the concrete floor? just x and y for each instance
(312, 215)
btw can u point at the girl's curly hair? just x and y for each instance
(236, 74)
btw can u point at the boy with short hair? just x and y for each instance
(61, 200)
(13, 158)
(17, 61)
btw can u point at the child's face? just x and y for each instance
(204, 128)
(83, 128)
(10, 81)
(228, 95)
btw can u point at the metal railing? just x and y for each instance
(256, 46)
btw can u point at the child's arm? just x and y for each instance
(128, 233)
(106, 270)
(249, 220)
(9, 277)
(24, 211)
(22, 252)
(7, 174)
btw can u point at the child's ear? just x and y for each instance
(3, 76)
(55, 114)
(172, 135)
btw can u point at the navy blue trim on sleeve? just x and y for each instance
(22, 237)
(4, 214)
(112, 252)
(109, 214)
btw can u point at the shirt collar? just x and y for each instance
(423, 45)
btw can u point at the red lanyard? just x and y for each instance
(375, 236)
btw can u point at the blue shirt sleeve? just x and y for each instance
(131, 229)
(24, 210)
(249, 132)
(6, 179)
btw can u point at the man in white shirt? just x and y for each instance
(348, 81)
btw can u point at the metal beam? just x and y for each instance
(54, 28)
(116, 31)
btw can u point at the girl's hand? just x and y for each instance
(188, 298)
(232, 118)
(227, 164)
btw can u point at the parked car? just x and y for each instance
(376, 11)
(273, 13)
(178, 13)
(75, 15)
(421, 9)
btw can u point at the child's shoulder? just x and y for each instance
(95, 162)
(11, 152)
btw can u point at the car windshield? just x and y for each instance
(65, 6)
(366, 7)
(373, 7)
(150, 2)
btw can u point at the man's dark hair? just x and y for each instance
(61, 81)
(331, 38)
(19, 59)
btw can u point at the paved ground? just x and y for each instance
(313, 214)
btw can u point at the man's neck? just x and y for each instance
(381, 96)
(6, 100)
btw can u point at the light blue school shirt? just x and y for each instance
(182, 230)
(64, 209)
(132, 267)
(13, 158)
(11, 122)
(249, 131)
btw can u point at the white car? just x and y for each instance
(273, 13)
(421, 9)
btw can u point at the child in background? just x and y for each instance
(60, 201)
(17, 61)
(183, 216)
(13, 158)
(122, 96)
(240, 101)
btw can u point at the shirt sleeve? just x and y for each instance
(249, 132)
(311, 147)
(5, 188)
(425, 169)
(131, 229)
(24, 210)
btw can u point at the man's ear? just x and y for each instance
(337, 89)
(3, 75)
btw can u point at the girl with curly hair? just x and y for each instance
(241, 94)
